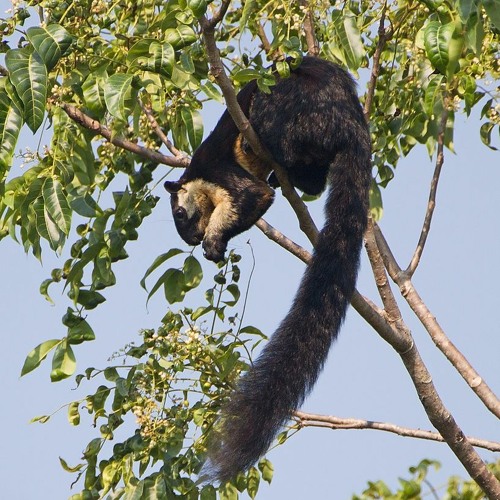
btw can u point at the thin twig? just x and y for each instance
(383, 35)
(265, 43)
(95, 126)
(283, 241)
(429, 321)
(431, 204)
(337, 423)
(381, 279)
(311, 40)
(159, 132)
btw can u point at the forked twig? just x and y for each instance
(429, 321)
(95, 126)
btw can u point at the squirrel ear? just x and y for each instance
(172, 186)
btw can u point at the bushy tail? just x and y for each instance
(289, 365)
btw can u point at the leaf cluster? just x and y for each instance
(163, 395)
(418, 485)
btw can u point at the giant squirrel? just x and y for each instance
(313, 125)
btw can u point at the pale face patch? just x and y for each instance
(208, 211)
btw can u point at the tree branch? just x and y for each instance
(337, 423)
(375, 317)
(432, 197)
(148, 154)
(439, 337)
(436, 411)
(284, 242)
(159, 132)
(311, 40)
(217, 69)
(383, 36)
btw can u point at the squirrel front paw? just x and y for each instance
(214, 250)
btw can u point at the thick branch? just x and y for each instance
(432, 197)
(456, 358)
(217, 69)
(96, 127)
(336, 423)
(437, 413)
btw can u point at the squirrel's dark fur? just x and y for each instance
(313, 125)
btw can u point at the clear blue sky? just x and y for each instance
(458, 278)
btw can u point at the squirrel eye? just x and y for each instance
(180, 214)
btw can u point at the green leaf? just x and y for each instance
(208, 492)
(376, 206)
(93, 93)
(197, 7)
(194, 126)
(158, 262)
(266, 469)
(151, 55)
(245, 75)
(28, 74)
(37, 355)
(349, 37)
(248, 8)
(63, 362)
(174, 285)
(200, 311)
(42, 419)
(465, 7)
(235, 292)
(492, 8)
(134, 492)
(84, 205)
(434, 94)
(110, 477)
(253, 482)
(443, 45)
(183, 80)
(157, 490)
(118, 95)
(212, 92)
(74, 413)
(44, 290)
(252, 330)
(485, 133)
(180, 37)
(11, 122)
(228, 491)
(51, 42)
(46, 226)
(193, 272)
(67, 468)
(81, 332)
(56, 204)
(90, 299)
